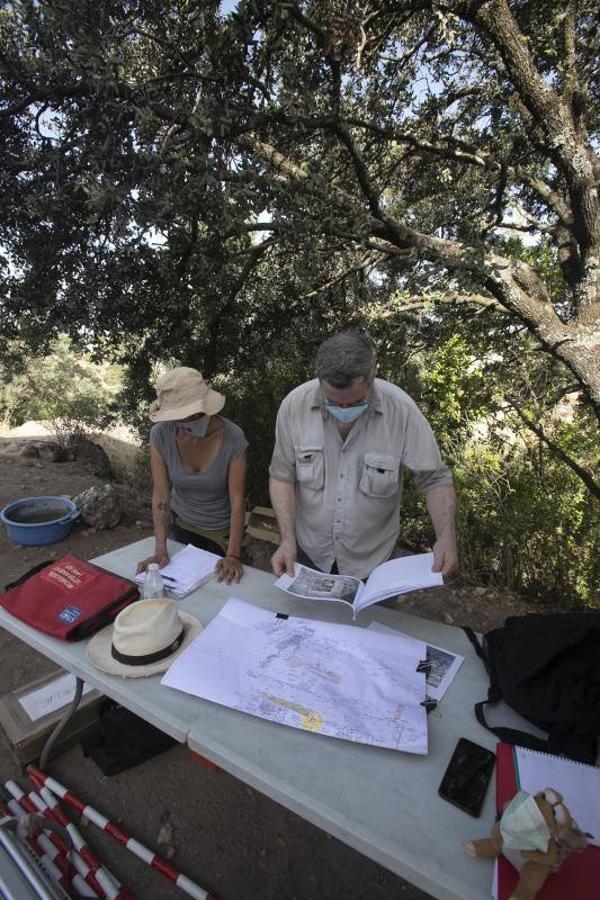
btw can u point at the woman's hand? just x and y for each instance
(229, 569)
(161, 558)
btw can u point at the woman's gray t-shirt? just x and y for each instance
(200, 499)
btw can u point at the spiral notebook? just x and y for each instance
(528, 770)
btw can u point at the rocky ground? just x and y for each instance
(233, 840)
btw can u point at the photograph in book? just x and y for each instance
(317, 585)
(390, 579)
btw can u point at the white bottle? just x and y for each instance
(153, 583)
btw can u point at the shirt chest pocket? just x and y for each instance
(310, 467)
(380, 475)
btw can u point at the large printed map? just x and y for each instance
(338, 680)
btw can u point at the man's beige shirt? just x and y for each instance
(348, 492)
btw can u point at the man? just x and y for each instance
(336, 471)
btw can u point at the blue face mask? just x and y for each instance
(346, 414)
(196, 427)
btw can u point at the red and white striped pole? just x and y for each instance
(54, 860)
(99, 877)
(33, 803)
(151, 859)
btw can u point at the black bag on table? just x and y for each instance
(547, 667)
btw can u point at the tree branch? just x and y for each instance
(587, 477)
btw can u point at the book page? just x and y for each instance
(399, 576)
(313, 585)
(579, 784)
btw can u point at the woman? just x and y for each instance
(198, 462)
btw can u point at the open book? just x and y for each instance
(397, 576)
(186, 570)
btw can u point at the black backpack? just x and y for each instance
(547, 667)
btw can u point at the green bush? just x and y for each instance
(65, 390)
(252, 401)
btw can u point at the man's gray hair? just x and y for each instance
(344, 357)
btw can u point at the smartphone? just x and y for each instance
(467, 777)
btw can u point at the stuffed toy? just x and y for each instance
(536, 834)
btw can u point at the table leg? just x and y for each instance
(70, 712)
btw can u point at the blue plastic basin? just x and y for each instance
(39, 520)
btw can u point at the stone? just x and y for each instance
(93, 456)
(29, 452)
(51, 451)
(100, 507)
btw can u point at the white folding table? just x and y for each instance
(383, 803)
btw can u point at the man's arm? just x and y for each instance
(441, 503)
(283, 499)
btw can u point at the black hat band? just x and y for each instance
(128, 660)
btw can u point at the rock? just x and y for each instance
(93, 455)
(480, 591)
(448, 619)
(50, 451)
(99, 507)
(29, 451)
(165, 834)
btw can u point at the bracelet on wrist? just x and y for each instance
(232, 556)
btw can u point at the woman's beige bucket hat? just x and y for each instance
(183, 392)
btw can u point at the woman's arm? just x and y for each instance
(231, 568)
(161, 509)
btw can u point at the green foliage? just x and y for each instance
(252, 400)
(453, 389)
(543, 258)
(64, 389)
(181, 188)
(527, 523)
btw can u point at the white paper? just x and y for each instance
(337, 680)
(186, 570)
(444, 664)
(50, 697)
(579, 784)
(397, 576)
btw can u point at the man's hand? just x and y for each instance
(284, 558)
(161, 558)
(445, 555)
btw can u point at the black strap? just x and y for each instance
(129, 660)
(33, 571)
(506, 735)
(478, 647)
(514, 736)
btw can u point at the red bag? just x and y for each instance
(68, 598)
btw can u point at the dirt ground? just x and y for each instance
(231, 839)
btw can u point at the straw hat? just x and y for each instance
(144, 639)
(183, 392)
